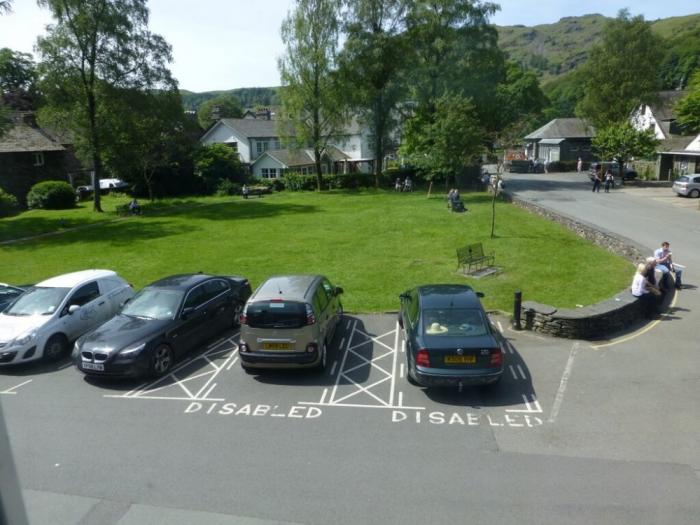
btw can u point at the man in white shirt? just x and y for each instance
(665, 264)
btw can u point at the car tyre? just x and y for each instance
(56, 347)
(409, 374)
(162, 360)
(694, 194)
(237, 311)
(321, 366)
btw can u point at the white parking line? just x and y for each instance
(522, 372)
(393, 365)
(10, 390)
(559, 398)
(335, 365)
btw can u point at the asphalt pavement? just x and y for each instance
(577, 432)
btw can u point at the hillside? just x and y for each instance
(553, 50)
(247, 97)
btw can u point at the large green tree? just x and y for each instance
(5, 6)
(311, 96)
(146, 130)
(688, 108)
(93, 48)
(622, 71)
(442, 144)
(227, 106)
(18, 79)
(372, 63)
(622, 142)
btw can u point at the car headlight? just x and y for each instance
(23, 339)
(131, 351)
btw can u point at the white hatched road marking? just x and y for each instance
(11, 390)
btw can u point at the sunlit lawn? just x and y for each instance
(373, 244)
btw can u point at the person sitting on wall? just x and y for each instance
(665, 264)
(643, 290)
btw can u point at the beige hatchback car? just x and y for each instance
(289, 321)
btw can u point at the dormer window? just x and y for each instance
(38, 159)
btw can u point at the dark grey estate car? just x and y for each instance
(449, 339)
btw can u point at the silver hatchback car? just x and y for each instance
(289, 321)
(688, 186)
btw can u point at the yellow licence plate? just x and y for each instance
(278, 346)
(460, 359)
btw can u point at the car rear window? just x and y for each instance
(276, 314)
(454, 322)
(683, 179)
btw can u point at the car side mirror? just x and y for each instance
(480, 294)
(124, 303)
(73, 308)
(186, 313)
(338, 290)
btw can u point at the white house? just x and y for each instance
(677, 153)
(249, 137)
(273, 164)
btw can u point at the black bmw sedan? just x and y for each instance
(449, 339)
(161, 323)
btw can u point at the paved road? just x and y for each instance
(576, 433)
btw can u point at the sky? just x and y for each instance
(227, 44)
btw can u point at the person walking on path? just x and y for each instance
(596, 183)
(579, 165)
(609, 181)
(245, 191)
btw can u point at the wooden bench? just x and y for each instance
(472, 257)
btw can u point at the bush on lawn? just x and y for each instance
(228, 187)
(8, 204)
(51, 195)
(273, 184)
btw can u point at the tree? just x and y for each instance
(688, 108)
(371, 63)
(622, 142)
(217, 162)
(146, 129)
(95, 47)
(18, 79)
(227, 106)
(310, 92)
(622, 71)
(442, 144)
(5, 7)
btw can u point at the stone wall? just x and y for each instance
(594, 321)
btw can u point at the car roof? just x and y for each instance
(69, 280)
(183, 281)
(448, 296)
(291, 287)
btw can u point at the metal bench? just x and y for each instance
(472, 257)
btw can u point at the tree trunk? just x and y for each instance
(96, 157)
(621, 167)
(378, 139)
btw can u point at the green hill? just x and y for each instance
(247, 97)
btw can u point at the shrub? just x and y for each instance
(350, 180)
(228, 187)
(297, 182)
(51, 195)
(8, 204)
(273, 184)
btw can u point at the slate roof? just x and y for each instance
(676, 143)
(252, 128)
(663, 109)
(563, 128)
(296, 158)
(22, 138)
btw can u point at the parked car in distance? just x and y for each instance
(47, 317)
(8, 294)
(688, 186)
(449, 338)
(161, 323)
(289, 321)
(614, 168)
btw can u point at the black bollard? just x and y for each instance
(517, 306)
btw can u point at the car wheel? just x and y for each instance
(694, 194)
(162, 360)
(237, 311)
(56, 347)
(409, 374)
(321, 366)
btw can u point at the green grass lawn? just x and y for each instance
(373, 244)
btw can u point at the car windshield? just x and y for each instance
(38, 301)
(154, 303)
(454, 322)
(276, 314)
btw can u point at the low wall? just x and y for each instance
(594, 321)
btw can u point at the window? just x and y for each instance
(261, 146)
(39, 159)
(233, 145)
(320, 300)
(269, 173)
(214, 288)
(85, 294)
(195, 298)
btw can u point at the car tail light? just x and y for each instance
(243, 347)
(310, 317)
(422, 358)
(311, 347)
(243, 318)
(496, 357)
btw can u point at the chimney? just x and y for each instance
(216, 113)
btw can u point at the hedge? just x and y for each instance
(51, 195)
(8, 204)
